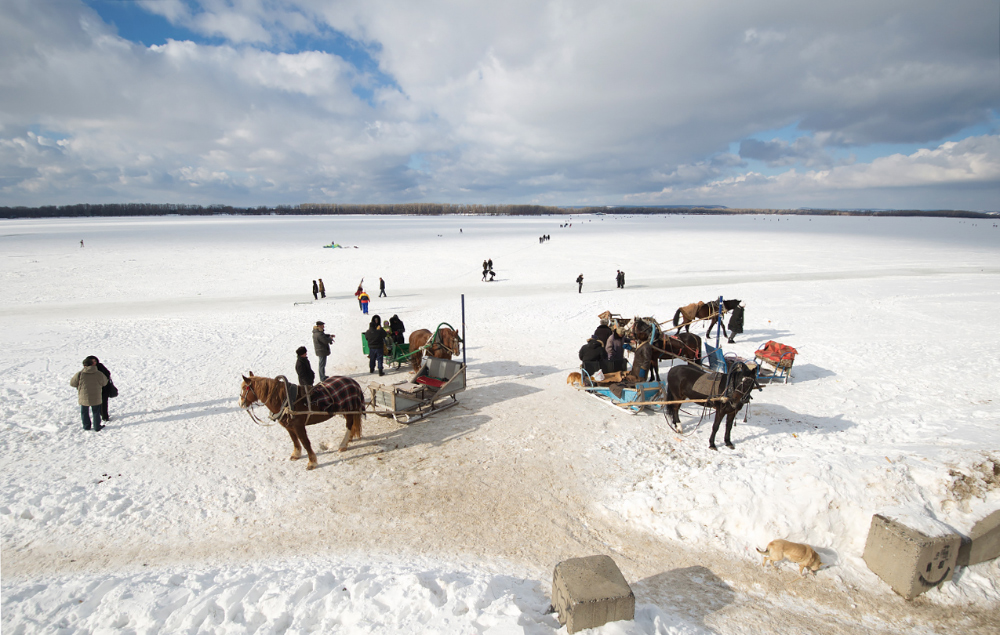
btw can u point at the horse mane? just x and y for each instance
(270, 391)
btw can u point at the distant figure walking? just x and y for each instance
(88, 383)
(357, 294)
(322, 289)
(364, 299)
(302, 367)
(486, 270)
(321, 345)
(315, 291)
(623, 279)
(489, 264)
(381, 288)
(81, 243)
(579, 282)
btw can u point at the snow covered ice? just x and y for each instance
(185, 516)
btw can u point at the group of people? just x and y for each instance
(94, 388)
(380, 337)
(488, 270)
(319, 290)
(543, 238)
(607, 344)
(620, 279)
(364, 298)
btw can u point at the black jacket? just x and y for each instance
(592, 351)
(305, 372)
(396, 325)
(602, 333)
(736, 321)
(108, 387)
(375, 336)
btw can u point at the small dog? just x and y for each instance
(575, 379)
(802, 555)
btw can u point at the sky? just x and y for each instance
(776, 103)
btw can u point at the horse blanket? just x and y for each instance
(690, 311)
(710, 384)
(338, 394)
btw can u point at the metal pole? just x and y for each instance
(464, 342)
(718, 327)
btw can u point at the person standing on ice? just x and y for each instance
(315, 291)
(322, 289)
(375, 336)
(88, 383)
(579, 283)
(107, 391)
(381, 288)
(736, 322)
(81, 244)
(357, 294)
(321, 344)
(364, 299)
(486, 270)
(302, 367)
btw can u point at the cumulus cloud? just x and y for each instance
(560, 101)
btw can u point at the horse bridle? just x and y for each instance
(447, 349)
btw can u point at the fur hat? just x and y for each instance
(300, 350)
(318, 323)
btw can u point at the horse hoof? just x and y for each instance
(712, 447)
(311, 466)
(730, 446)
(293, 458)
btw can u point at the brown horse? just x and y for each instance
(446, 344)
(333, 395)
(686, 346)
(703, 310)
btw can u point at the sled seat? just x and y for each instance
(431, 381)
(778, 358)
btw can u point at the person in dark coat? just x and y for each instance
(321, 345)
(397, 328)
(381, 288)
(592, 351)
(579, 283)
(315, 291)
(736, 322)
(615, 346)
(106, 389)
(375, 335)
(486, 270)
(302, 367)
(603, 332)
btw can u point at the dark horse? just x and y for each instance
(343, 395)
(701, 311)
(726, 393)
(446, 344)
(686, 346)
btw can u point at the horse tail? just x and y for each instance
(677, 316)
(354, 425)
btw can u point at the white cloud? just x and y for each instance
(560, 101)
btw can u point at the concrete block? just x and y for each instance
(589, 592)
(983, 543)
(909, 560)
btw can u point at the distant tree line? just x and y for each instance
(430, 209)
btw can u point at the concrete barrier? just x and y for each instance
(983, 543)
(909, 560)
(589, 592)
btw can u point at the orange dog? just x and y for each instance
(575, 379)
(802, 555)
